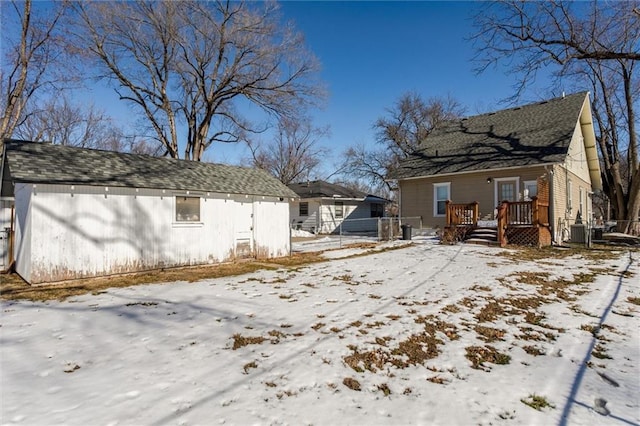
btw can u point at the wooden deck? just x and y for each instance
(517, 222)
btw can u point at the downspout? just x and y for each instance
(319, 218)
(552, 201)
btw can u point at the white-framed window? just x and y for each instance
(581, 200)
(441, 193)
(339, 206)
(569, 196)
(304, 209)
(187, 209)
(530, 189)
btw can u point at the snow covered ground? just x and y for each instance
(425, 334)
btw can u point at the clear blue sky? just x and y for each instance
(373, 52)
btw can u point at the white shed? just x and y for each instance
(84, 213)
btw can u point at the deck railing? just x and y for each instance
(509, 214)
(521, 213)
(528, 213)
(461, 214)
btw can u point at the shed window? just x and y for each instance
(339, 205)
(441, 193)
(304, 209)
(377, 210)
(187, 209)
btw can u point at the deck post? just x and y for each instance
(503, 211)
(476, 213)
(447, 213)
(535, 218)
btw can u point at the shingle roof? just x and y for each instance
(533, 134)
(320, 188)
(35, 162)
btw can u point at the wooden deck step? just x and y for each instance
(486, 236)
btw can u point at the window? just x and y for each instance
(304, 209)
(377, 210)
(581, 201)
(339, 206)
(530, 189)
(506, 191)
(187, 209)
(441, 193)
(569, 196)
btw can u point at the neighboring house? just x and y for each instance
(544, 151)
(322, 207)
(82, 213)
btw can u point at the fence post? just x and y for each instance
(340, 234)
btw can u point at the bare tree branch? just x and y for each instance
(295, 152)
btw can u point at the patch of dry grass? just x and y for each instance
(12, 287)
(533, 254)
(634, 300)
(351, 383)
(240, 341)
(537, 402)
(489, 334)
(533, 350)
(478, 355)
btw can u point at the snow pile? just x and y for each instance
(301, 233)
(426, 334)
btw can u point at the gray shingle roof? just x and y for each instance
(533, 134)
(320, 188)
(34, 162)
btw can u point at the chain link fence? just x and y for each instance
(588, 232)
(354, 231)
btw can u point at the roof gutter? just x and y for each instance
(545, 165)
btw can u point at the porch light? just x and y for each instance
(489, 180)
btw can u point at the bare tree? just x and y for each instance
(62, 122)
(294, 153)
(34, 60)
(59, 121)
(406, 126)
(597, 45)
(411, 120)
(195, 63)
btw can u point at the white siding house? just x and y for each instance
(323, 207)
(85, 213)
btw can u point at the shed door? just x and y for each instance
(244, 228)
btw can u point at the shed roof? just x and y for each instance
(35, 162)
(534, 134)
